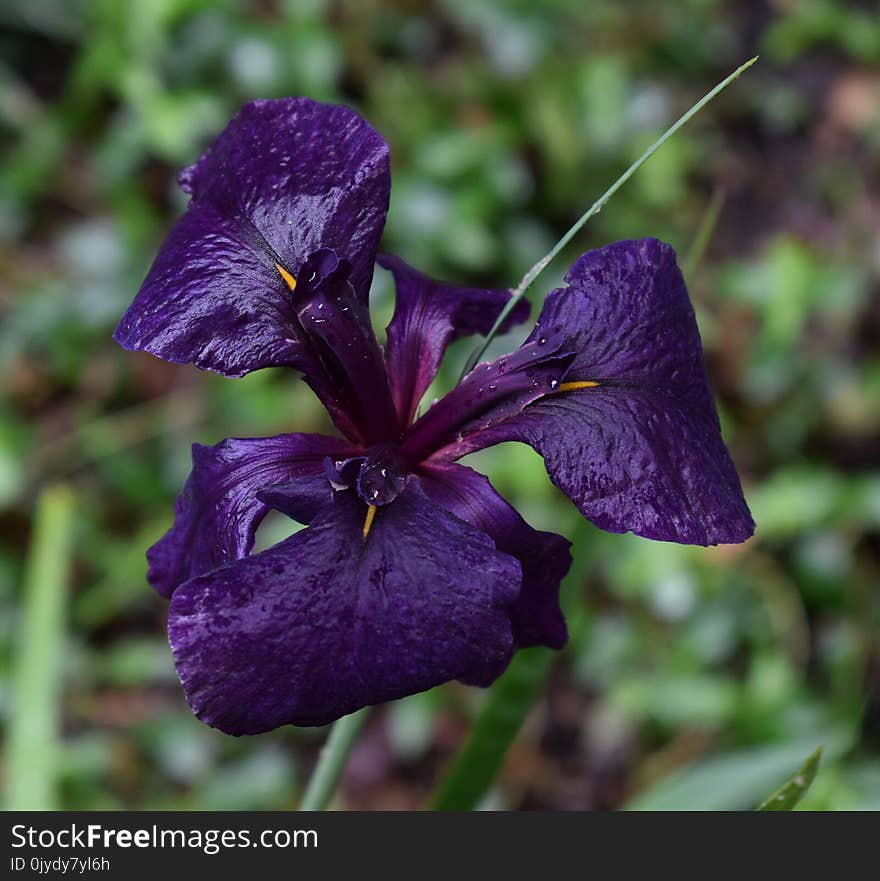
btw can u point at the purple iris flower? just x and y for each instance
(411, 570)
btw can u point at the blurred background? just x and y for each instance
(694, 678)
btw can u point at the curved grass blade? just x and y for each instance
(32, 744)
(594, 209)
(704, 234)
(793, 790)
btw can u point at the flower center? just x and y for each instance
(379, 477)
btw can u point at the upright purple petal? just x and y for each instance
(543, 556)
(284, 179)
(327, 622)
(428, 316)
(491, 393)
(640, 450)
(218, 511)
(340, 328)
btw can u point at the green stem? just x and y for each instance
(594, 209)
(331, 762)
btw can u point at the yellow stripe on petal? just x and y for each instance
(368, 523)
(291, 281)
(574, 386)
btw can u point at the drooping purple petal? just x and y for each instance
(642, 450)
(543, 556)
(490, 393)
(428, 316)
(327, 622)
(218, 511)
(284, 179)
(214, 299)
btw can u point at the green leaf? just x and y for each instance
(32, 749)
(499, 721)
(792, 791)
(736, 780)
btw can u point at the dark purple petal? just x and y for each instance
(214, 299)
(285, 178)
(301, 499)
(634, 461)
(343, 473)
(327, 622)
(543, 556)
(490, 393)
(428, 316)
(340, 328)
(217, 513)
(305, 176)
(641, 451)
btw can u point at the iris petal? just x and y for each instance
(543, 556)
(491, 393)
(327, 622)
(339, 326)
(428, 316)
(304, 175)
(642, 449)
(218, 511)
(284, 179)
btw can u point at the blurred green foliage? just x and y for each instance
(700, 678)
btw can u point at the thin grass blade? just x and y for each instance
(594, 209)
